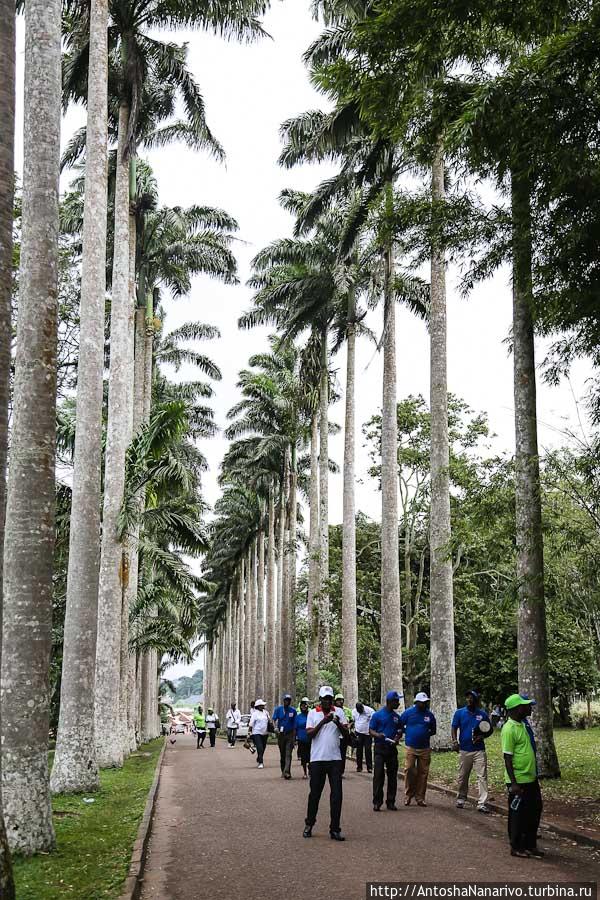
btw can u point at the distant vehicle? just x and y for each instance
(180, 729)
(242, 731)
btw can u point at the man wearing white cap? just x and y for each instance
(258, 729)
(419, 725)
(324, 726)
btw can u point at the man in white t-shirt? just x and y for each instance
(233, 717)
(324, 726)
(361, 715)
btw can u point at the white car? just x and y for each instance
(242, 731)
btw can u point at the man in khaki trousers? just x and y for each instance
(471, 748)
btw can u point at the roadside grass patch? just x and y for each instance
(93, 840)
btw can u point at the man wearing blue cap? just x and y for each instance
(284, 719)
(384, 728)
(468, 740)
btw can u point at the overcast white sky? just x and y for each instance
(249, 91)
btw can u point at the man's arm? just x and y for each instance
(514, 787)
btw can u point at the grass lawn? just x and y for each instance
(579, 755)
(94, 840)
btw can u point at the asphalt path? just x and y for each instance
(224, 830)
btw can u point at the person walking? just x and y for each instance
(361, 716)
(385, 729)
(200, 725)
(233, 718)
(302, 737)
(468, 739)
(520, 773)
(418, 725)
(345, 741)
(258, 730)
(324, 726)
(284, 719)
(212, 725)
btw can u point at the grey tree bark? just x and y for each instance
(281, 580)
(242, 636)
(324, 615)
(349, 639)
(270, 645)
(30, 507)
(532, 640)
(7, 131)
(149, 659)
(391, 615)
(253, 583)
(75, 767)
(292, 562)
(118, 434)
(312, 643)
(284, 618)
(260, 618)
(248, 631)
(443, 669)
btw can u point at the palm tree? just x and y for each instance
(29, 545)
(7, 130)
(75, 767)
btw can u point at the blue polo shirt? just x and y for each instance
(419, 725)
(285, 718)
(387, 722)
(301, 726)
(465, 720)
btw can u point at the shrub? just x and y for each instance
(579, 715)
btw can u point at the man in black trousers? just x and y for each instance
(385, 730)
(325, 726)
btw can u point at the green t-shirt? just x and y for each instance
(199, 721)
(516, 741)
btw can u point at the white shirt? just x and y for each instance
(211, 720)
(259, 721)
(325, 745)
(361, 720)
(233, 717)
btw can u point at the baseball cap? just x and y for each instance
(517, 700)
(326, 691)
(393, 695)
(287, 696)
(421, 697)
(259, 703)
(473, 693)
(305, 700)
(339, 697)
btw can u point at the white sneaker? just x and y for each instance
(260, 766)
(460, 804)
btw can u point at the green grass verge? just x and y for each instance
(93, 840)
(579, 755)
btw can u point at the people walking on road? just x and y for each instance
(361, 716)
(385, 729)
(346, 740)
(212, 725)
(258, 729)
(470, 726)
(418, 725)
(233, 718)
(302, 737)
(284, 719)
(524, 794)
(200, 725)
(325, 725)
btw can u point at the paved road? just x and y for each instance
(225, 830)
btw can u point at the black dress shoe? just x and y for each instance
(336, 836)
(376, 807)
(307, 831)
(392, 807)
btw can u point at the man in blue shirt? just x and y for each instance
(302, 736)
(384, 728)
(418, 725)
(284, 719)
(469, 742)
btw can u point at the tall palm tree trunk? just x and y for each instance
(391, 616)
(253, 619)
(443, 672)
(149, 658)
(118, 434)
(324, 505)
(29, 530)
(271, 646)
(260, 618)
(281, 578)
(7, 131)
(248, 632)
(532, 640)
(292, 561)
(284, 621)
(349, 640)
(242, 636)
(312, 643)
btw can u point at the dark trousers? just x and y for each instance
(286, 746)
(304, 753)
(260, 742)
(523, 823)
(231, 733)
(364, 743)
(200, 738)
(212, 736)
(386, 760)
(319, 773)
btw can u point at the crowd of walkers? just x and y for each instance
(323, 735)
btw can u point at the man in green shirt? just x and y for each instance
(200, 723)
(520, 771)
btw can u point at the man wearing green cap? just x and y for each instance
(524, 795)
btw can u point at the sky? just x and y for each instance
(249, 90)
